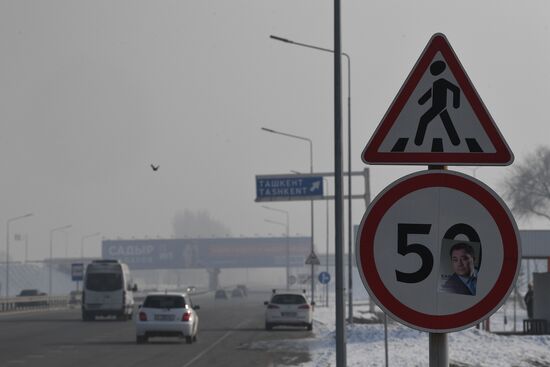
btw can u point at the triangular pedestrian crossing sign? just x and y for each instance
(312, 259)
(437, 118)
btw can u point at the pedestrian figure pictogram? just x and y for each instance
(438, 95)
(437, 118)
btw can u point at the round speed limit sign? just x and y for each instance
(438, 251)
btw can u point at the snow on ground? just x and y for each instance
(409, 347)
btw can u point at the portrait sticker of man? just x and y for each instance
(459, 267)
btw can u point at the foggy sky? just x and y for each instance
(93, 92)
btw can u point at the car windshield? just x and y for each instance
(288, 299)
(104, 282)
(164, 302)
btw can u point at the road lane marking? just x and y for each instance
(214, 344)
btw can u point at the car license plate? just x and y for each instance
(164, 317)
(288, 314)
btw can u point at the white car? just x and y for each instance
(290, 309)
(167, 314)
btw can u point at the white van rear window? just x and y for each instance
(104, 282)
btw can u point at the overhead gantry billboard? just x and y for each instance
(187, 253)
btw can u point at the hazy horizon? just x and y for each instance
(93, 93)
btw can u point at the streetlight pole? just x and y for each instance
(327, 225)
(287, 248)
(51, 255)
(311, 203)
(350, 221)
(287, 239)
(66, 243)
(82, 243)
(8, 250)
(82, 253)
(26, 247)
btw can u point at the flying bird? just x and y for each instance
(155, 168)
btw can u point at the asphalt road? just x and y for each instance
(227, 328)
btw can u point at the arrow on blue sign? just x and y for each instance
(324, 277)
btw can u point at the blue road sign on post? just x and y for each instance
(324, 277)
(287, 188)
(77, 272)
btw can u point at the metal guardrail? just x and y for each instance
(28, 303)
(535, 326)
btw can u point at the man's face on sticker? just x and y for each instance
(463, 262)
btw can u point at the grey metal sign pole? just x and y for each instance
(386, 354)
(312, 251)
(439, 347)
(350, 219)
(338, 194)
(439, 350)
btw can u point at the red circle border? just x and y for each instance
(502, 218)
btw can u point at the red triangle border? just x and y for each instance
(502, 155)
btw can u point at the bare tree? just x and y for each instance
(527, 188)
(198, 224)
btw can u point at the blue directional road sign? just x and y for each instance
(324, 277)
(287, 188)
(77, 272)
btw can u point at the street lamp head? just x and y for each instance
(280, 39)
(291, 136)
(20, 217)
(274, 222)
(275, 209)
(60, 228)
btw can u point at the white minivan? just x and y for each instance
(108, 290)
